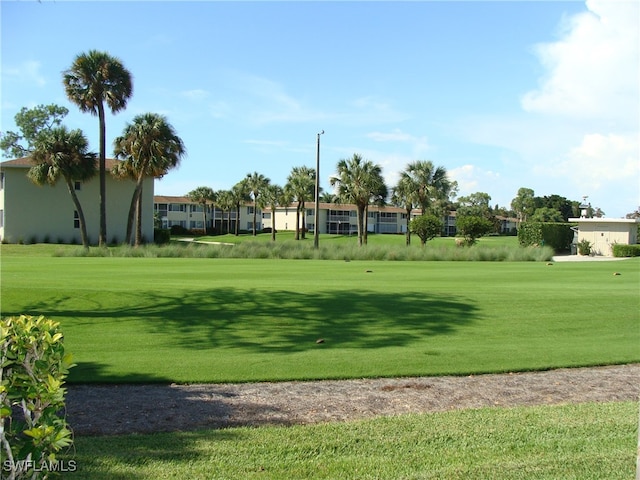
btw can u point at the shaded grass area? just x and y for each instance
(586, 441)
(237, 320)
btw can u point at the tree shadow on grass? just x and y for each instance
(277, 320)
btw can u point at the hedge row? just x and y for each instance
(555, 235)
(620, 250)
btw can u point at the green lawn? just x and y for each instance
(587, 441)
(219, 320)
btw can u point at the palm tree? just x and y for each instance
(226, 204)
(273, 197)
(96, 78)
(432, 184)
(359, 182)
(203, 195)
(150, 147)
(256, 184)
(240, 194)
(301, 185)
(404, 195)
(63, 154)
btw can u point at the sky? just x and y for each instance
(503, 94)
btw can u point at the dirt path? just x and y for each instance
(121, 409)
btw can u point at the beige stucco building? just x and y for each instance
(30, 213)
(603, 233)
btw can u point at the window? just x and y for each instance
(77, 185)
(249, 210)
(1, 180)
(1, 218)
(76, 219)
(177, 207)
(266, 216)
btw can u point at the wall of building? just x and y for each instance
(33, 213)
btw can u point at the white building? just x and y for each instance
(30, 213)
(603, 233)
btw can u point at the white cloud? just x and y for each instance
(27, 72)
(599, 161)
(592, 70)
(196, 95)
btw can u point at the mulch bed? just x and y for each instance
(125, 409)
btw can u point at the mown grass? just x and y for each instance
(585, 441)
(218, 320)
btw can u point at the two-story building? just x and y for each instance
(30, 213)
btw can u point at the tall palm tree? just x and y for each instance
(301, 185)
(202, 196)
(404, 195)
(432, 184)
(273, 197)
(63, 154)
(96, 78)
(359, 182)
(226, 204)
(240, 194)
(149, 147)
(257, 184)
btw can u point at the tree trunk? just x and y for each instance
(408, 235)
(204, 216)
(76, 203)
(303, 213)
(138, 241)
(298, 221)
(237, 219)
(360, 212)
(273, 224)
(132, 212)
(255, 212)
(365, 222)
(102, 236)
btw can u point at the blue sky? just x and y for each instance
(543, 95)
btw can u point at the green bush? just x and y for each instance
(472, 228)
(584, 247)
(555, 235)
(33, 366)
(161, 236)
(620, 250)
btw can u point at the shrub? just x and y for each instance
(33, 366)
(472, 228)
(426, 227)
(620, 250)
(161, 235)
(584, 247)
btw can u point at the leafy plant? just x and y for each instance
(472, 228)
(426, 227)
(584, 247)
(33, 366)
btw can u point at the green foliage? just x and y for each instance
(426, 227)
(620, 250)
(473, 227)
(584, 247)
(33, 123)
(555, 235)
(161, 236)
(33, 367)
